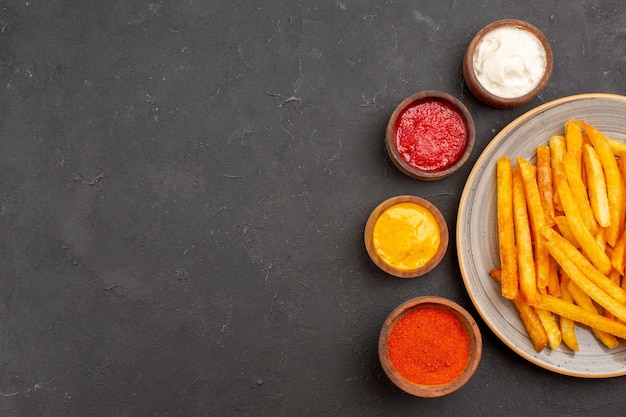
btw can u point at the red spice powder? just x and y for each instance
(429, 346)
(431, 135)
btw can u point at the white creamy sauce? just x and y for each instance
(509, 62)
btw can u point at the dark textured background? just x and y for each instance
(183, 191)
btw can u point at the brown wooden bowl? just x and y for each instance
(470, 327)
(390, 136)
(480, 92)
(390, 269)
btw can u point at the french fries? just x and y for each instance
(526, 263)
(598, 197)
(528, 315)
(506, 233)
(562, 237)
(544, 183)
(614, 180)
(567, 326)
(537, 218)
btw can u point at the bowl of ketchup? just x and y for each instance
(430, 135)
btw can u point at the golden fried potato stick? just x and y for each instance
(596, 183)
(583, 265)
(617, 146)
(601, 241)
(563, 226)
(577, 276)
(557, 150)
(552, 329)
(580, 315)
(617, 256)
(525, 260)
(584, 238)
(571, 166)
(537, 220)
(567, 326)
(529, 318)
(621, 164)
(573, 136)
(617, 279)
(544, 182)
(583, 300)
(554, 287)
(615, 186)
(574, 141)
(506, 229)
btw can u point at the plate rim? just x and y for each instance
(464, 200)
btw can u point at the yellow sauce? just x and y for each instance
(406, 236)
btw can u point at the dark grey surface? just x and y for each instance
(183, 191)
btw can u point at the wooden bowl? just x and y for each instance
(462, 155)
(389, 268)
(468, 324)
(487, 97)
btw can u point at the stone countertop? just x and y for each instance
(184, 187)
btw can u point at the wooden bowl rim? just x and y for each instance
(470, 326)
(390, 132)
(481, 92)
(412, 273)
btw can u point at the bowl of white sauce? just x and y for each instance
(508, 63)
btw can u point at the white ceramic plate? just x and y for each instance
(477, 242)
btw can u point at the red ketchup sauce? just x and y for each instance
(431, 135)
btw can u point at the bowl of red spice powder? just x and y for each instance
(429, 346)
(430, 135)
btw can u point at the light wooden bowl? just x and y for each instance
(481, 92)
(390, 269)
(470, 327)
(390, 136)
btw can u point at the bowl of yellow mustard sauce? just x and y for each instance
(406, 236)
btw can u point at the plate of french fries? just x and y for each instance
(541, 237)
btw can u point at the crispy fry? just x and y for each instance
(529, 318)
(585, 302)
(563, 226)
(596, 182)
(601, 241)
(571, 166)
(617, 146)
(617, 255)
(557, 150)
(574, 272)
(544, 182)
(577, 227)
(532, 323)
(614, 182)
(582, 264)
(577, 276)
(617, 279)
(537, 219)
(552, 329)
(580, 315)
(554, 288)
(574, 139)
(567, 326)
(525, 261)
(621, 164)
(506, 230)
(574, 146)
